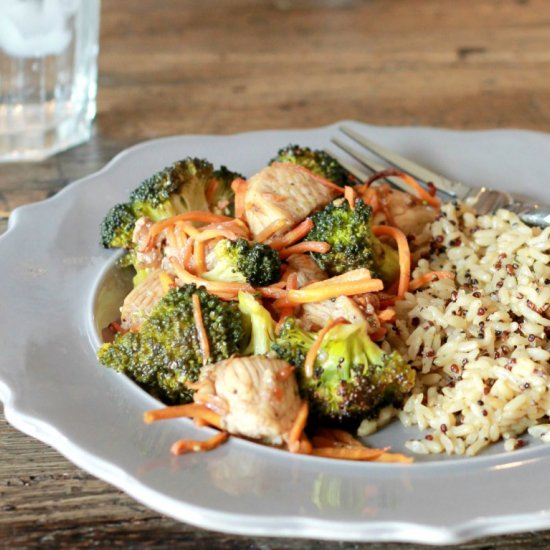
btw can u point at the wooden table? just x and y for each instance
(180, 66)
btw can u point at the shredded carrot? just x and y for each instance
(211, 189)
(387, 315)
(195, 216)
(323, 441)
(359, 274)
(305, 246)
(187, 254)
(201, 330)
(181, 236)
(305, 447)
(320, 293)
(342, 437)
(190, 445)
(239, 187)
(116, 327)
(293, 236)
(350, 195)
(208, 234)
(171, 237)
(292, 280)
(200, 257)
(429, 277)
(423, 194)
(190, 410)
(302, 169)
(270, 230)
(272, 292)
(291, 284)
(394, 457)
(189, 229)
(298, 427)
(314, 349)
(370, 197)
(404, 254)
(188, 278)
(348, 453)
(377, 335)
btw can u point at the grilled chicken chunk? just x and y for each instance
(409, 213)
(283, 192)
(316, 315)
(260, 396)
(141, 300)
(306, 269)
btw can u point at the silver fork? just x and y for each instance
(485, 200)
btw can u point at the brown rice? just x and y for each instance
(479, 342)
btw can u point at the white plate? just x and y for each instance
(54, 389)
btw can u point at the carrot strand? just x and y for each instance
(404, 254)
(293, 236)
(306, 246)
(239, 187)
(190, 410)
(348, 453)
(298, 427)
(270, 230)
(424, 195)
(350, 195)
(190, 445)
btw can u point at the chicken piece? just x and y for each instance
(409, 213)
(146, 257)
(317, 314)
(306, 269)
(141, 300)
(283, 192)
(260, 396)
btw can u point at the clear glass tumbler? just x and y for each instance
(48, 75)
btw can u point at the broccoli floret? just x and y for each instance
(130, 259)
(178, 188)
(258, 323)
(165, 353)
(220, 196)
(118, 226)
(318, 162)
(353, 378)
(352, 243)
(243, 261)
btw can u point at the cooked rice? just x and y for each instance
(479, 342)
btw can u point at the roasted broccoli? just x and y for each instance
(353, 378)
(178, 188)
(165, 353)
(243, 261)
(352, 243)
(220, 196)
(118, 226)
(187, 185)
(258, 323)
(318, 162)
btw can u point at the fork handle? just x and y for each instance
(531, 213)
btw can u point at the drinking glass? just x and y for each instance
(48, 75)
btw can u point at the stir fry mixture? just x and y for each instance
(260, 306)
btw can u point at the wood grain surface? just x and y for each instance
(225, 66)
